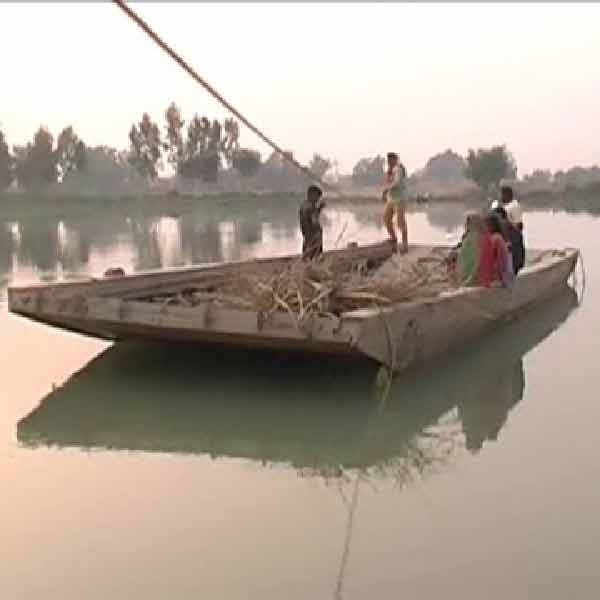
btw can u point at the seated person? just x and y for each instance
(472, 261)
(514, 238)
(496, 261)
(464, 259)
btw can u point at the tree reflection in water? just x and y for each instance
(55, 246)
(319, 418)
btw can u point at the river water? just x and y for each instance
(144, 472)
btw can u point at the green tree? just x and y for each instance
(215, 137)
(277, 174)
(445, 168)
(578, 178)
(231, 140)
(541, 176)
(319, 165)
(207, 143)
(175, 146)
(70, 153)
(246, 161)
(488, 167)
(7, 164)
(145, 147)
(202, 153)
(36, 163)
(369, 171)
(198, 132)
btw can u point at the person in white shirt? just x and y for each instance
(510, 210)
(394, 194)
(511, 206)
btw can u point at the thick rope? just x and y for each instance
(213, 92)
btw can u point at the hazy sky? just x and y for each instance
(345, 80)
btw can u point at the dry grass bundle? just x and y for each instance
(303, 289)
(329, 286)
(404, 281)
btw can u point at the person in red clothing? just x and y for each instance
(475, 254)
(486, 271)
(497, 265)
(491, 254)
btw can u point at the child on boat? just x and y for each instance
(512, 207)
(310, 223)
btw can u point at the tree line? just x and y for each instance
(486, 167)
(201, 149)
(41, 162)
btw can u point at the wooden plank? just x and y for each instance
(157, 279)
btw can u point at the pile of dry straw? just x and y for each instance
(323, 287)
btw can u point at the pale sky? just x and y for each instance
(345, 80)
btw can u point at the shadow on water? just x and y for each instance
(65, 239)
(87, 238)
(319, 416)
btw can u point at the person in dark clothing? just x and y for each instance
(517, 247)
(514, 213)
(514, 239)
(310, 224)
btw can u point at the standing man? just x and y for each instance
(514, 215)
(310, 223)
(510, 212)
(394, 194)
(511, 206)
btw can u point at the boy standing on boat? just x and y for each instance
(394, 194)
(514, 237)
(310, 223)
(512, 207)
(510, 211)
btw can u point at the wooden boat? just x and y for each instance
(398, 336)
(271, 408)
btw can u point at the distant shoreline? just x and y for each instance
(14, 205)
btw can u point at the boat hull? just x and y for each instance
(414, 332)
(398, 336)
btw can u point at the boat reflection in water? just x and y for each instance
(318, 417)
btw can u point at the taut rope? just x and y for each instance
(213, 92)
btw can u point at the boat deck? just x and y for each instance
(396, 333)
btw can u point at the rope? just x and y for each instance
(581, 266)
(214, 93)
(347, 540)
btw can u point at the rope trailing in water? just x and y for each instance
(213, 92)
(575, 279)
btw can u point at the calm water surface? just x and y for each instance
(140, 472)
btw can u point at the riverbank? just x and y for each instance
(16, 206)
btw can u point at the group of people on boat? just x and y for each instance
(394, 196)
(491, 249)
